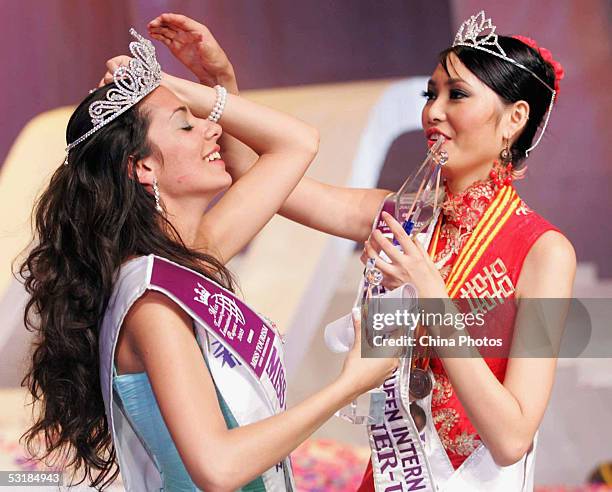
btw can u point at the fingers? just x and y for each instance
(399, 233)
(424, 253)
(116, 62)
(394, 254)
(177, 22)
(163, 31)
(374, 243)
(382, 265)
(356, 315)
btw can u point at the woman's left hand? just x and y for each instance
(413, 265)
(194, 45)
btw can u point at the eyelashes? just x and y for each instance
(454, 94)
(187, 128)
(427, 94)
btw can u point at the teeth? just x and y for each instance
(213, 157)
(434, 136)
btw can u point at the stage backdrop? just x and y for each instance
(53, 52)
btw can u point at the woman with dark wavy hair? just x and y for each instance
(477, 420)
(144, 355)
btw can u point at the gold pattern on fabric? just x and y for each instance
(442, 390)
(462, 444)
(523, 209)
(488, 288)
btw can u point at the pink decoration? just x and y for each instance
(547, 56)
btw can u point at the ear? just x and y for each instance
(517, 116)
(142, 169)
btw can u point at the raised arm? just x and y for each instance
(285, 146)
(218, 459)
(340, 211)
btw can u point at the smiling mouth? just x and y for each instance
(213, 156)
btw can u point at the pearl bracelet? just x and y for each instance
(217, 110)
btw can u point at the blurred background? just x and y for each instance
(355, 69)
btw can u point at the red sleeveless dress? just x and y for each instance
(483, 238)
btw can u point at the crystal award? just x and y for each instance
(415, 206)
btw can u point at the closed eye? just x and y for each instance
(187, 127)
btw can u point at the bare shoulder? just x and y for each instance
(551, 260)
(155, 320)
(552, 247)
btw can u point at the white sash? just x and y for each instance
(244, 354)
(399, 461)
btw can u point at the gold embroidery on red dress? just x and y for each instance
(523, 209)
(461, 213)
(489, 287)
(442, 390)
(462, 444)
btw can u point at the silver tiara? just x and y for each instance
(132, 83)
(478, 26)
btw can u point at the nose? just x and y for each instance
(435, 111)
(213, 131)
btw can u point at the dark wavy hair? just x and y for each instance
(511, 83)
(91, 218)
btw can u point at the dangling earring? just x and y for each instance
(156, 194)
(505, 155)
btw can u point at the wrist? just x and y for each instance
(227, 78)
(170, 82)
(347, 388)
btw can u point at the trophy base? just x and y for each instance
(367, 409)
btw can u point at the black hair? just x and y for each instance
(511, 82)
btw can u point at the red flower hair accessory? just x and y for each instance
(547, 56)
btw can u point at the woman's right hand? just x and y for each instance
(363, 374)
(195, 47)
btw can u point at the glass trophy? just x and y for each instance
(415, 206)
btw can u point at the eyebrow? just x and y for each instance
(180, 108)
(449, 81)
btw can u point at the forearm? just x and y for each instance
(263, 129)
(250, 450)
(491, 407)
(339, 211)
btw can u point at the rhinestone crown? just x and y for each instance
(478, 32)
(132, 83)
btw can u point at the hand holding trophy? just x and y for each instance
(415, 206)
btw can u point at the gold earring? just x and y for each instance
(505, 155)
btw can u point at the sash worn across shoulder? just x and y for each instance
(243, 351)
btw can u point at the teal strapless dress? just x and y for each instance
(138, 401)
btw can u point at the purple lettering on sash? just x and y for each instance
(387, 459)
(382, 441)
(394, 444)
(402, 434)
(224, 313)
(409, 460)
(381, 225)
(276, 373)
(393, 415)
(416, 484)
(394, 488)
